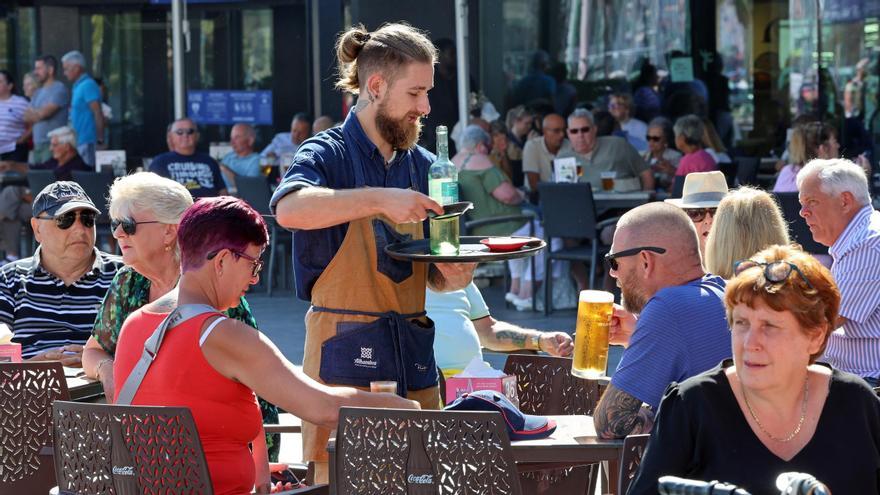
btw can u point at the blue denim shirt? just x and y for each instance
(331, 159)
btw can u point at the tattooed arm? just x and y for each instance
(620, 414)
(502, 336)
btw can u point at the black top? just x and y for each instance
(65, 172)
(701, 433)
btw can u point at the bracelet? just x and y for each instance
(100, 364)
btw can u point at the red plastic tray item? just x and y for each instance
(504, 244)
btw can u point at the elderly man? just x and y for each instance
(65, 157)
(284, 142)
(620, 105)
(605, 154)
(197, 171)
(539, 152)
(50, 300)
(681, 328)
(48, 109)
(85, 106)
(241, 160)
(836, 204)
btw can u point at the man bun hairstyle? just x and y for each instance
(361, 53)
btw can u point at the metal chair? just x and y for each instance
(255, 190)
(546, 387)
(570, 212)
(101, 448)
(97, 186)
(631, 459)
(677, 186)
(27, 391)
(393, 451)
(747, 170)
(729, 169)
(800, 231)
(39, 179)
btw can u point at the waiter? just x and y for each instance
(351, 191)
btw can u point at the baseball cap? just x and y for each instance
(519, 426)
(60, 197)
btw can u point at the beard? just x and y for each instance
(400, 134)
(633, 301)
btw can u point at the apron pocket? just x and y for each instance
(396, 270)
(359, 355)
(417, 341)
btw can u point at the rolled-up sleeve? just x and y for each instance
(307, 170)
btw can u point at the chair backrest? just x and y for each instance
(568, 210)
(255, 190)
(97, 186)
(747, 170)
(631, 459)
(797, 226)
(27, 391)
(39, 179)
(677, 186)
(394, 451)
(546, 386)
(729, 169)
(102, 448)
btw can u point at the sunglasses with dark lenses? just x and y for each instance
(129, 226)
(698, 214)
(578, 130)
(654, 138)
(611, 258)
(775, 272)
(65, 221)
(184, 132)
(256, 262)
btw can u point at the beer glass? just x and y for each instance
(591, 334)
(608, 180)
(388, 386)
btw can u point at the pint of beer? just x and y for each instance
(608, 180)
(591, 335)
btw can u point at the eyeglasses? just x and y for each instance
(129, 225)
(775, 272)
(65, 221)
(698, 214)
(611, 258)
(256, 262)
(654, 138)
(578, 130)
(184, 132)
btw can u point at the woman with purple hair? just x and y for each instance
(212, 364)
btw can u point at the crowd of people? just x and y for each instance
(734, 339)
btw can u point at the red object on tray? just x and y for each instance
(504, 244)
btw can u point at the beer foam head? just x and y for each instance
(596, 296)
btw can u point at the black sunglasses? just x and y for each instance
(654, 138)
(578, 130)
(698, 214)
(65, 221)
(185, 132)
(611, 258)
(256, 262)
(775, 272)
(129, 226)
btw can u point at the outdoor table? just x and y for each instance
(620, 200)
(82, 388)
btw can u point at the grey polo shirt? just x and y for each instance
(610, 153)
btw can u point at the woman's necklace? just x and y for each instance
(797, 429)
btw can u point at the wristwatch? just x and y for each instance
(536, 342)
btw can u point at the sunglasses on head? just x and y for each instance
(256, 262)
(129, 225)
(65, 221)
(578, 130)
(698, 214)
(654, 138)
(775, 271)
(184, 132)
(611, 258)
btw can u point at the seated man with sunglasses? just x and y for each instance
(673, 322)
(197, 171)
(51, 299)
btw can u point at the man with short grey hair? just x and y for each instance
(288, 142)
(85, 106)
(241, 161)
(836, 204)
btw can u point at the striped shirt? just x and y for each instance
(856, 347)
(43, 312)
(11, 121)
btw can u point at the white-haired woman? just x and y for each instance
(145, 210)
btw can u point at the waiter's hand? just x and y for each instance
(453, 276)
(406, 205)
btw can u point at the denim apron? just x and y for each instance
(367, 321)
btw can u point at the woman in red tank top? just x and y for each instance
(213, 365)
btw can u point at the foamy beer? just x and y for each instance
(591, 335)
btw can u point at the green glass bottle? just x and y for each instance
(443, 188)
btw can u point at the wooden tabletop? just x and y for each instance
(573, 442)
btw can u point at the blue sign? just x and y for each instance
(229, 107)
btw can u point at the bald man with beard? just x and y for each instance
(539, 152)
(673, 323)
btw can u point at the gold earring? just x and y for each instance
(167, 248)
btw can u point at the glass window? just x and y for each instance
(256, 48)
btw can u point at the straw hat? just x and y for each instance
(701, 190)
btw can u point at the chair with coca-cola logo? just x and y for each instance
(395, 451)
(27, 391)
